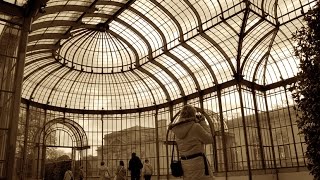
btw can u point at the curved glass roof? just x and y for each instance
(113, 55)
(98, 51)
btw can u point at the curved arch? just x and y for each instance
(35, 37)
(138, 34)
(134, 90)
(37, 52)
(29, 62)
(55, 129)
(61, 8)
(69, 92)
(193, 9)
(242, 36)
(197, 54)
(164, 40)
(146, 84)
(266, 55)
(171, 75)
(157, 80)
(38, 69)
(41, 80)
(43, 46)
(66, 36)
(74, 127)
(181, 63)
(55, 85)
(79, 36)
(172, 17)
(74, 24)
(128, 44)
(219, 48)
(255, 46)
(46, 24)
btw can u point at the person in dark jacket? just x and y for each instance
(135, 166)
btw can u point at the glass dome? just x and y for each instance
(97, 51)
(120, 55)
(104, 78)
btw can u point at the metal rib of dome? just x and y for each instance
(157, 52)
(96, 51)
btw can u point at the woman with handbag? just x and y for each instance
(192, 133)
(104, 172)
(121, 173)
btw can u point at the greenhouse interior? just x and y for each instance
(86, 81)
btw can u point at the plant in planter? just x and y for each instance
(306, 91)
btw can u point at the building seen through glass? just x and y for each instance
(92, 81)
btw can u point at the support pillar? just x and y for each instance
(271, 136)
(35, 159)
(18, 79)
(167, 138)
(223, 135)
(102, 139)
(157, 144)
(25, 145)
(255, 103)
(245, 131)
(44, 148)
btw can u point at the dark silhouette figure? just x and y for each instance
(135, 166)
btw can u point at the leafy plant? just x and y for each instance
(306, 91)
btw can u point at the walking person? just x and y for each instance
(104, 172)
(147, 170)
(68, 174)
(192, 134)
(81, 173)
(135, 167)
(121, 173)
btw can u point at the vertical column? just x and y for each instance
(86, 164)
(25, 145)
(245, 131)
(102, 155)
(291, 127)
(139, 132)
(7, 65)
(167, 138)
(270, 132)
(73, 159)
(222, 131)
(157, 143)
(13, 126)
(258, 127)
(35, 159)
(44, 148)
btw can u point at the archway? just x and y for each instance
(60, 133)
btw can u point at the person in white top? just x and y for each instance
(121, 172)
(147, 170)
(104, 172)
(68, 175)
(192, 134)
